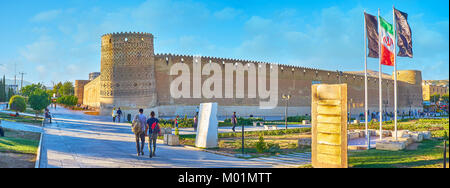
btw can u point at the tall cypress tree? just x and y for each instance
(10, 93)
(3, 89)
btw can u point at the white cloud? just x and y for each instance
(332, 38)
(227, 13)
(46, 16)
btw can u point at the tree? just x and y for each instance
(2, 90)
(435, 98)
(66, 89)
(10, 94)
(17, 103)
(56, 88)
(67, 100)
(28, 90)
(445, 98)
(39, 100)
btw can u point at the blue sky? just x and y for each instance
(53, 40)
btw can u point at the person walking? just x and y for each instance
(114, 114)
(2, 132)
(153, 132)
(176, 122)
(119, 115)
(139, 129)
(234, 121)
(195, 122)
(47, 114)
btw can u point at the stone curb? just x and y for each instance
(38, 155)
(209, 151)
(198, 149)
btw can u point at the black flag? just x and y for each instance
(372, 34)
(404, 41)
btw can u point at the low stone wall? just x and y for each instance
(404, 139)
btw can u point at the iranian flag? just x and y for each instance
(387, 42)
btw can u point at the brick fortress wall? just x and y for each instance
(133, 77)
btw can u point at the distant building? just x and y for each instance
(429, 89)
(14, 87)
(93, 75)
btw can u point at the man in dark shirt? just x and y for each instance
(119, 114)
(234, 121)
(153, 131)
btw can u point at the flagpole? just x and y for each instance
(365, 84)
(395, 71)
(380, 79)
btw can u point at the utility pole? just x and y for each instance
(21, 82)
(15, 83)
(286, 98)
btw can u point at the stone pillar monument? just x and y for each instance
(329, 126)
(207, 126)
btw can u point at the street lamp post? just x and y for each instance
(286, 98)
(350, 110)
(340, 73)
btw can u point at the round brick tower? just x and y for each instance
(410, 90)
(127, 72)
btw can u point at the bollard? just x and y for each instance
(445, 153)
(242, 139)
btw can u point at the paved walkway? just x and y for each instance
(21, 126)
(185, 131)
(81, 141)
(292, 160)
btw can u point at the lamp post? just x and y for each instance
(350, 110)
(340, 73)
(286, 98)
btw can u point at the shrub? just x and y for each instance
(298, 118)
(17, 103)
(261, 146)
(273, 148)
(68, 100)
(39, 100)
(240, 121)
(182, 122)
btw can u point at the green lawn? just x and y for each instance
(275, 141)
(438, 127)
(28, 111)
(19, 142)
(428, 155)
(21, 119)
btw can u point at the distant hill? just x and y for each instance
(436, 82)
(11, 82)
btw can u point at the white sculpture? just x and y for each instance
(207, 126)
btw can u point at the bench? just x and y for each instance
(270, 127)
